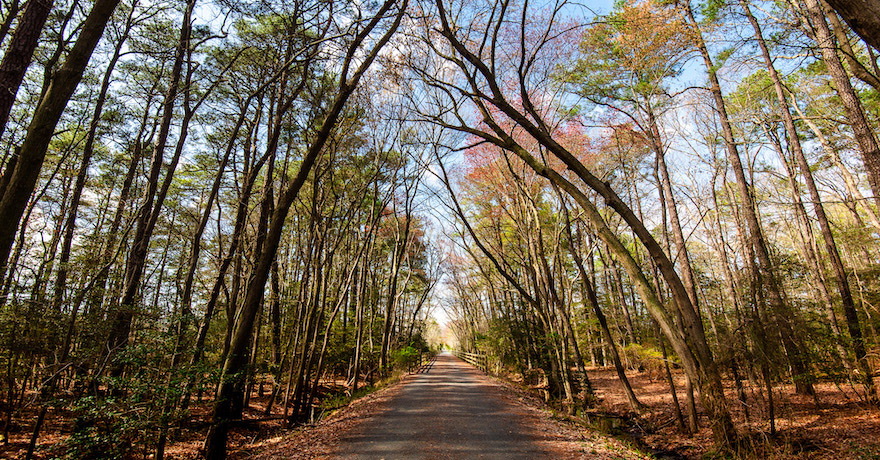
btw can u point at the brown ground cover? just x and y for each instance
(840, 427)
(185, 442)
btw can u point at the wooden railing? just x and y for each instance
(423, 364)
(478, 360)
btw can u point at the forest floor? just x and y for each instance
(840, 427)
(185, 443)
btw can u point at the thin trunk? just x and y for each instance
(8, 19)
(589, 294)
(848, 179)
(215, 443)
(806, 240)
(82, 174)
(153, 198)
(96, 298)
(400, 247)
(697, 361)
(862, 131)
(764, 268)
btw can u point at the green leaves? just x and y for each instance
(712, 10)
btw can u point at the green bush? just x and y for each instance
(104, 428)
(405, 357)
(646, 359)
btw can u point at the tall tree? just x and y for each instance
(840, 272)
(761, 266)
(215, 443)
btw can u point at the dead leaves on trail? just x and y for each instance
(316, 441)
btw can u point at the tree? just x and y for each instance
(862, 16)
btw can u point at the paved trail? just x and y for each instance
(450, 411)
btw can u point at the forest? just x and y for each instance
(221, 220)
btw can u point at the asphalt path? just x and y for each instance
(449, 411)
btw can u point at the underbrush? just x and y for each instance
(110, 427)
(344, 398)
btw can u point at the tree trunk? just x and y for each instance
(697, 361)
(589, 294)
(19, 52)
(863, 16)
(23, 178)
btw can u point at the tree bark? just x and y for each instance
(19, 53)
(863, 16)
(23, 178)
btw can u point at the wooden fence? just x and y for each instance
(478, 360)
(425, 359)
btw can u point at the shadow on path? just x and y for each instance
(451, 411)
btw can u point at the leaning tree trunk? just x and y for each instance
(215, 443)
(863, 16)
(82, 174)
(400, 246)
(668, 199)
(589, 294)
(19, 52)
(696, 354)
(153, 199)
